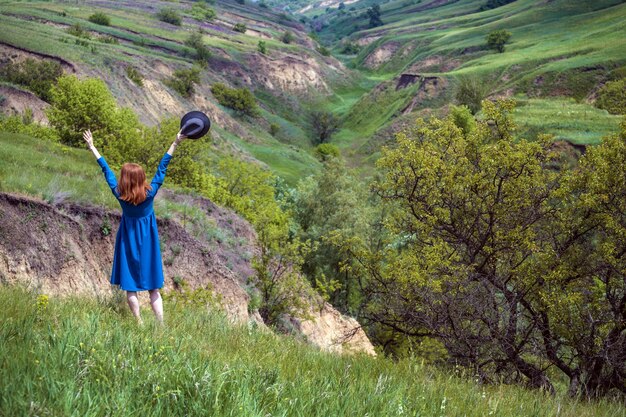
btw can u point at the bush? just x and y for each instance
(240, 27)
(351, 48)
(262, 47)
(323, 51)
(109, 39)
(326, 151)
(100, 18)
(77, 105)
(134, 75)
(183, 81)
(471, 91)
(202, 51)
(78, 31)
(201, 11)
(323, 124)
(612, 97)
(497, 39)
(169, 15)
(492, 4)
(274, 129)
(239, 99)
(288, 37)
(36, 76)
(16, 124)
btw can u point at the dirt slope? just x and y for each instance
(68, 249)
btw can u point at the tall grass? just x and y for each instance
(87, 357)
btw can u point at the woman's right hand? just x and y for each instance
(88, 138)
(180, 137)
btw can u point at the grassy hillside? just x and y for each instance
(88, 357)
(557, 49)
(156, 49)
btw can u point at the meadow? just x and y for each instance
(85, 357)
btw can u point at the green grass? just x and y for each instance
(47, 169)
(565, 119)
(88, 357)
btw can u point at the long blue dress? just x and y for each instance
(137, 264)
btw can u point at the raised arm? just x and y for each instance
(108, 174)
(159, 175)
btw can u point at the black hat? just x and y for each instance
(195, 124)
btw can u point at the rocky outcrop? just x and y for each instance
(68, 249)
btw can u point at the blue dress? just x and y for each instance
(137, 264)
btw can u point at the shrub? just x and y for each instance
(288, 37)
(240, 27)
(201, 11)
(169, 15)
(100, 18)
(274, 129)
(77, 105)
(109, 39)
(324, 124)
(492, 4)
(36, 76)
(351, 48)
(183, 81)
(77, 30)
(15, 124)
(323, 50)
(195, 41)
(326, 151)
(239, 99)
(471, 91)
(134, 75)
(374, 14)
(497, 39)
(262, 47)
(612, 97)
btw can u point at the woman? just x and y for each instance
(137, 264)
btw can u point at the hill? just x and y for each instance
(85, 357)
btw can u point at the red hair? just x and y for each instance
(133, 186)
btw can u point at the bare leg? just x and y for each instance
(157, 304)
(133, 303)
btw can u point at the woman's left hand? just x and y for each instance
(180, 137)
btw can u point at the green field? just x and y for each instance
(88, 357)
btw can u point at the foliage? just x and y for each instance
(201, 11)
(240, 27)
(351, 48)
(283, 291)
(194, 40)
(324, 51)
(612, 97)
(492, 4)
(184, 80)
(240, 99)
(331, 206)
(287, 37)
(100, 18)
(374, 15)
(77, 30)
(471, 91)
(134, 75)
(496, 255)
(497, 39)
(274, 129)
(77, 105)
(262, 47)
(326, 151)
(37, 76)
(169, 15)
(323, 124)
(16, 124)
